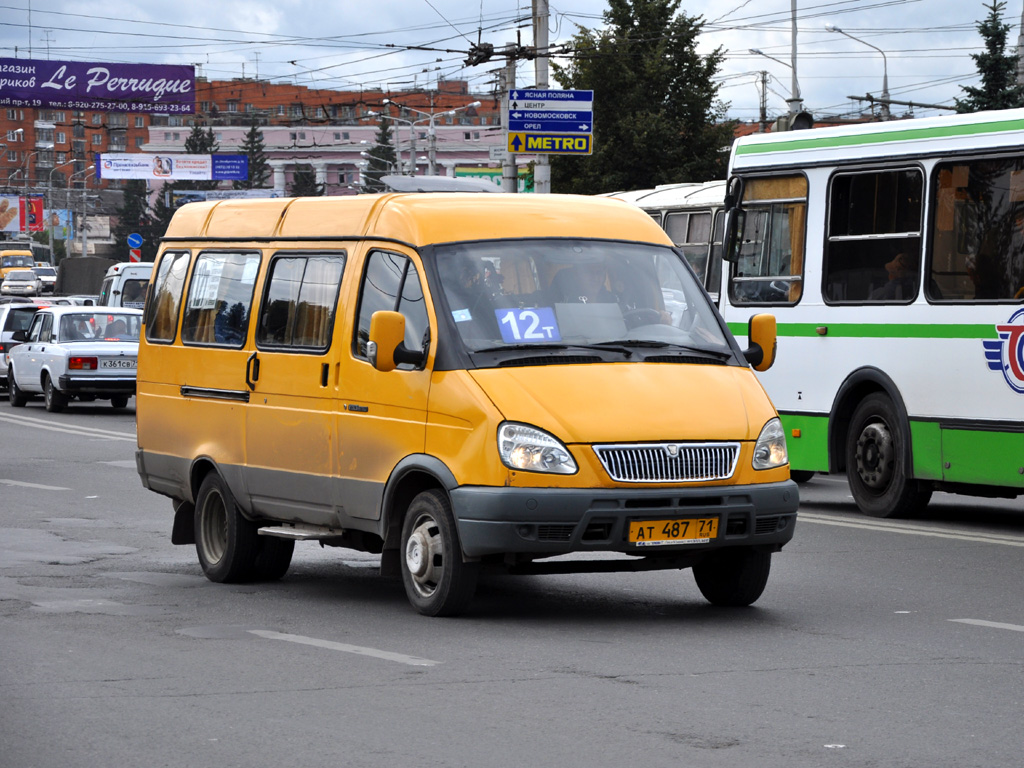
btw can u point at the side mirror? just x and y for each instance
(733, 232)
(763, 342)
(386, 349)
(19, 336)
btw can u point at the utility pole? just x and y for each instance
(764, 101)
(796, 103)
(542, 167)
(509, 173)
(1020, 51)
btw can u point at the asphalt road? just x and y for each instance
(877, 643)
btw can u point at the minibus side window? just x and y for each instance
(976, 235)
(162, 311)
(392, 283)
(873, 248)
(220, 298)
(301, 296)
(770, 264)
(104, 297)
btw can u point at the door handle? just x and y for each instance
(252, 371)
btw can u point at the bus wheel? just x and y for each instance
(874, 461)
(275, 555)
(733, 577)
(437, 581)
(800, 475)
(227, 543)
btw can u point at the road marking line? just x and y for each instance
(80, 431)
(346, 648)
(939, 533)
(37, 486)
(992, 624)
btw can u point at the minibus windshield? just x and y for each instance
(515, 293)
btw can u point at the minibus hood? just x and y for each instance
(631, 402)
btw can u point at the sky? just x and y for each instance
(922, 47)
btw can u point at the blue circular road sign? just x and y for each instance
(134, 240)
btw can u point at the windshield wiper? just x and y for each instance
(723, 353)
(602, 347)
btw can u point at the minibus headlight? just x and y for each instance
(770, 450)
(530, 449)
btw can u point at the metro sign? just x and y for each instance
(551, 143)
(550, 121)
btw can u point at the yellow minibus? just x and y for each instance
(456, 382)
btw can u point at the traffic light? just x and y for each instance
(798, 122)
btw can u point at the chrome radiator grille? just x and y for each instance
(669, 462)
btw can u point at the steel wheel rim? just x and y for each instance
(876, 456)
(214, 528)
(424, 556)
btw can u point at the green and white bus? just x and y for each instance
(892, 256)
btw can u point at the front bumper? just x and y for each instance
(552, 521)
(107, 385)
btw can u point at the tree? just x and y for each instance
(304, 182)
(657, 115)
(381, 159)
(134, 216)
(259, 169)
(998, 69)
(200, 142)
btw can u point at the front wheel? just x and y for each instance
(14, 393)
(119, 401)
(875, 447)
(437, 581)
(55, 400)
(227, 543)
(733, 577)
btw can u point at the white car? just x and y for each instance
(21, 282)
(47, 276)
(75, 352)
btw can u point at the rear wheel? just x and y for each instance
(437, 581)
(14, 393)
(800, 475)
(274, 558)
(119, 401)
(875, 467)
(227, 543)
(733, 577)
(55, 400)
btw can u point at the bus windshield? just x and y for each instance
(572, 292)
(16, 260)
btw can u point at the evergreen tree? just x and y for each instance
(998, 69)
(304, 182)
(657, 115)
(259, 169)
(199, 142)
(381, 161)
(134, 216)
(163, 209)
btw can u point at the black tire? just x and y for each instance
(437, 581)
(14, 393)
(800, 475)
(733, 577)
(227, 543)
(875, 466)
(55, 400)
(274, 558)
(86, 398)
(119, 401)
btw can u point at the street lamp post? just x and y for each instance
(795, 101)
(49, 197)
(432, 130)
(85, 188)
(10, 176)
(412, 138)
(885, 66)
(24, 165)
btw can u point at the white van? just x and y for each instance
(125, 285)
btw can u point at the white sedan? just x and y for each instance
(75, 352)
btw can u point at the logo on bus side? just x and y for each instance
(1007, 354)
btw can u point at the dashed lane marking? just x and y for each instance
(345, 648)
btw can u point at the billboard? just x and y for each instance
(10, 213)
(121, 165)
(43, 83)
(61, 221)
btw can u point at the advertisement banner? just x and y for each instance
(44, 83)
(181, 196)
(494, 176)
(10, 213)
(61, 221)
(32, 213)
(120, 165)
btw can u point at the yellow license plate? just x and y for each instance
(654, 533)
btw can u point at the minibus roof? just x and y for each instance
(416, 219)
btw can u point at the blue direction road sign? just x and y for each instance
(542, 111)
(550, 143)
(134, 240)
